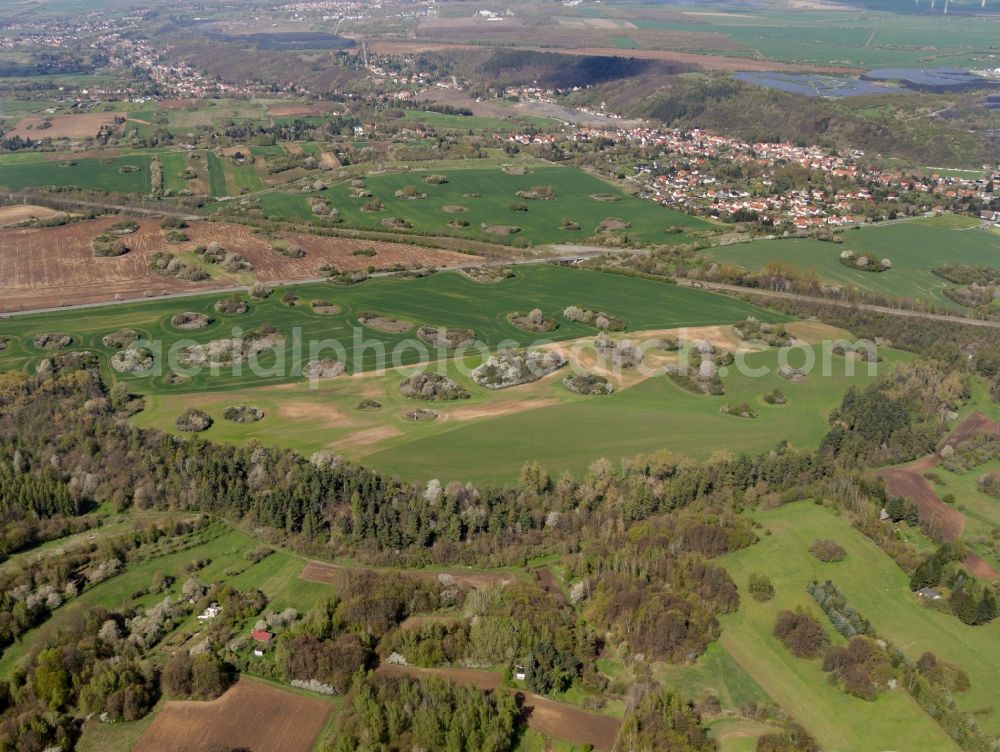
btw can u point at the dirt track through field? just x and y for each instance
(908, 482)
(550, 718)
(250, 715)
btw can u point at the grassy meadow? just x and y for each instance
(880, 591)
(914, 247)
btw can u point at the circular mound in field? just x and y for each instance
(107, 245)
(323, 368)
(120, 339)
(191, 320)
(325, 307)
(232, 306)
(133, 360)
(410, 193)
(369, 404)
(533, 321)
(445, 337)
(4, 343)
(243, 414)
(290, 299)
(454, 209)
(613, 223)
(501, 230)
(458, 224)
(396, 223)
(173, 379)
(588, 383)
(52, 341)
(433, 387)
(420, 415)
(387, 324)
(193, 421)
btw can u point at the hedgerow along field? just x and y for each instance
(914, 247)
(445, 299)
(894, 720)
(484, 196)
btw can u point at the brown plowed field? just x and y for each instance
(548, 582)
(908, 481)
(250, 715)
(65, 126)
(331, 574)
(551, 718)
(52, 267)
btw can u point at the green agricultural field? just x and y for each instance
(216, 174)
(484, 196)
(570, 433)
(880, 591)
(914, 247)
(240, 178)
(174, 163)
(100, 173)
(448, 299)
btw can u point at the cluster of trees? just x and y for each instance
(400, 713)
(89, 667)
(200, 677)
(971, 601)
(659, 719)
(863, 667)
(801, 633)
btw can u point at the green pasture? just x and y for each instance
(914, 247)
(880, 591)
(100, 173)
(496, 190)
